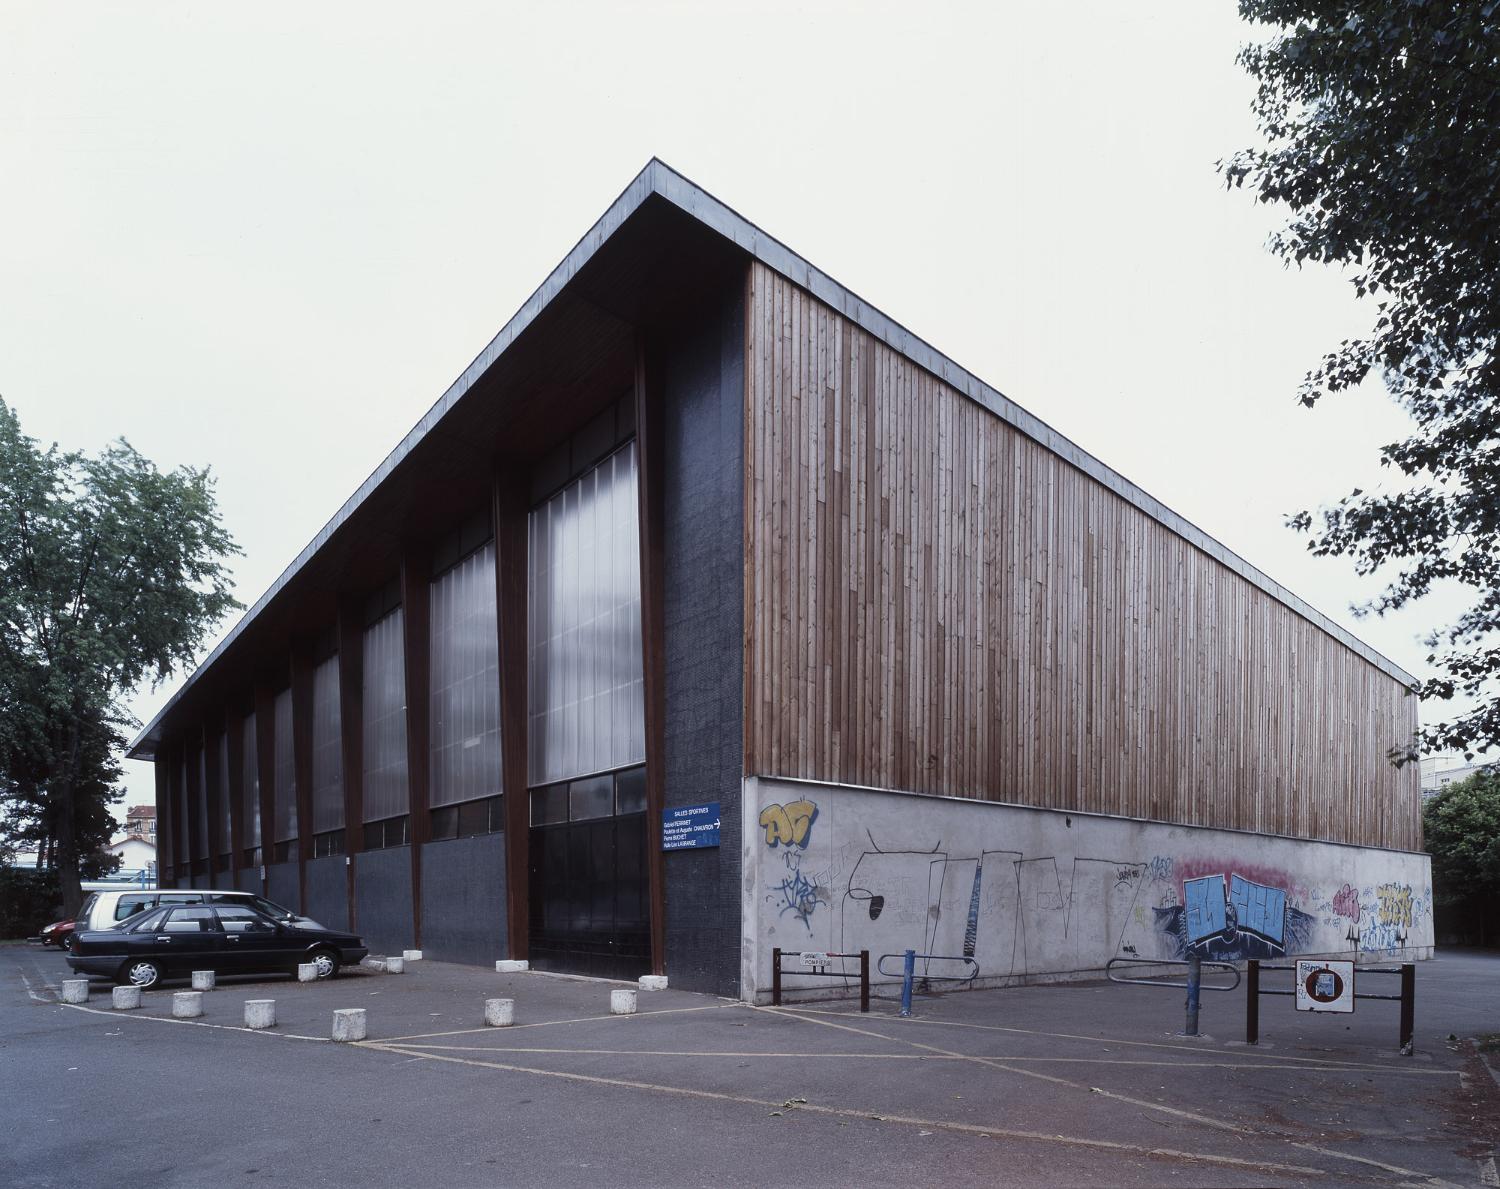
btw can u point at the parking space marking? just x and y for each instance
(665, 1011)
(1203, 1120)
(141, 1015)
(972, 1129)
(1243, 1051)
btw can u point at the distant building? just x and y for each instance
(711, 613)
(1438, 772)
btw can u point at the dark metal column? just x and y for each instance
(416, 566)
(649, 424)
(238, 827)
(265, 764)
(510, 605)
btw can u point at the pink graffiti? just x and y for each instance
(1346, 903)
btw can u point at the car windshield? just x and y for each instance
(145, 921)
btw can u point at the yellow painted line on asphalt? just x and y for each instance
(1203, 1120)
(666, 1011)
(1245, 1051)
(972, 1129)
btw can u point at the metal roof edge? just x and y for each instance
(661, 179)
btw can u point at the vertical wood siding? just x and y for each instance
(936, 602)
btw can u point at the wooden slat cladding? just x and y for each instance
(935, 602)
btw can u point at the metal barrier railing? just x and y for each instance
(816, 963)
(1156, 982)
(909, 972)
(1407, 998)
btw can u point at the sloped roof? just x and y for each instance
(659, 180)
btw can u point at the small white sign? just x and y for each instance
(814, 958)
(1325, 986)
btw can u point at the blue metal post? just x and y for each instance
(1194, 977)
(908, 968)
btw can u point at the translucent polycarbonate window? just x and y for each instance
(384, 712)
(327, 748)
(285, 785)
(464, 710)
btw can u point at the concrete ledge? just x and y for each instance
(499, 1013)
(187, 1005)
(512, 966)
(125, 998)
(412, 955)
(372, 963)
(622, 1002)
(395, 965)
(349, 1024)
(75, 990)
(652, 982)
(204, 980)
(307, 972)
(260, 1013)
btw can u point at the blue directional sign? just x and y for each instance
(688, 827)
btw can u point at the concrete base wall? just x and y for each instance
(382, 899)
(463, 900)
(1033, 895)
(249, 880)
(328, 892)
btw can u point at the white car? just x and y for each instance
(105, 910)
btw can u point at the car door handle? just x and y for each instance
(159, 937)
(231, 937)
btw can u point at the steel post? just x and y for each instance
(864, 980)
(1408, 1006)
(1252, 1003)
(1194, 979)
(776, 977)
(908, 969)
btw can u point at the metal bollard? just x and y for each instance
(349, 1024)
(499, 1013)
(1252, 1002)
(187, 1005)
(75, 990)
(776, 977)
(204, 980)
(1194, 980)
(908, 969)
(1408, 1006)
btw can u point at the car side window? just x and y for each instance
(237, 918)
(148, 922)
(128, 906)
(189, 920)
(181, 898)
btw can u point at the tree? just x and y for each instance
(1381, 121)
(1462, 828)
(111, 574)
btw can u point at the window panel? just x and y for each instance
(385, 790)
(464, 711)
(222, 833)
(285, 785)
(327, 748)
(250, 784)
(585, 710)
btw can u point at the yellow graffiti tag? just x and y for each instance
(788, 825)
(1395, 904)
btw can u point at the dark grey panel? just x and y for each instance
(463, 900)
(382, 899)
(328, 892)
(703, 387)
(284, 885)
(202, 881)
(249, 880)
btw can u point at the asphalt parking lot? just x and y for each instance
(1078, 1084)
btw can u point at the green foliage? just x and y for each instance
(1462, 828)
(29, 899)
(110, 575)
(1382, 127)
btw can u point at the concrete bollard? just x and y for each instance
(204, 980)
(652, 982)
(499, 1013)
(307, 972)
(622, 1003)
(512, 966)
(125, 998)
(349, 1024)
(260, 1013)
(412, 955)
(187, 1005)
(395, 965)
(75, 990)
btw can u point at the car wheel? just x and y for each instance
(326, 961)
(142, 973)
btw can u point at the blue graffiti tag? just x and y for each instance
(798, 895)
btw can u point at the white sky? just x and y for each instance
(220, 225)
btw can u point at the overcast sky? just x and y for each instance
(223, 225)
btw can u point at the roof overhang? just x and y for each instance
(694, 212)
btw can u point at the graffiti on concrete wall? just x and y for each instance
(1016, 914)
